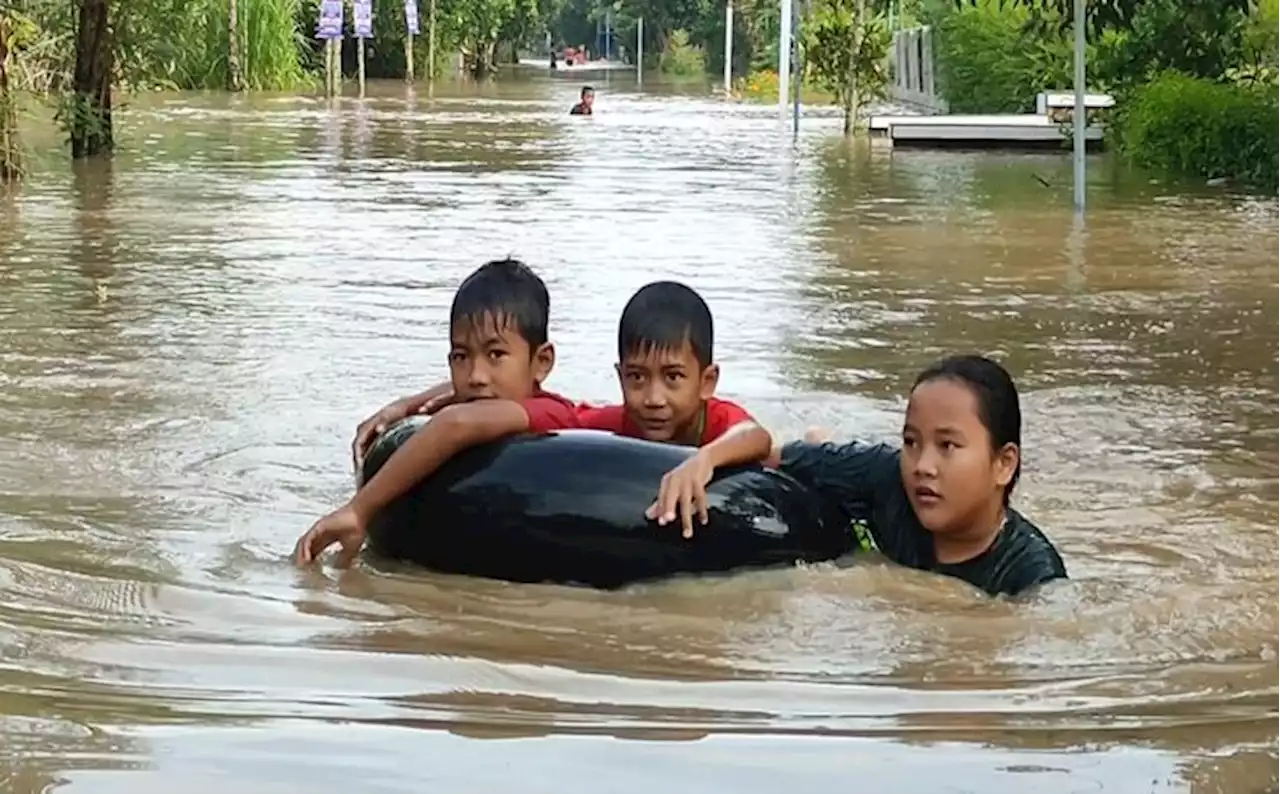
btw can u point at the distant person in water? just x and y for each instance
(583, 108)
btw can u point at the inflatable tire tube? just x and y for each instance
(568, 507)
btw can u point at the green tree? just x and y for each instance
(1100, 15)
(1201, 38)
(481, 24)
(88, 113)
(847, 52)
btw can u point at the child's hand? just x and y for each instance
(388, 415)
(437, 403)
(342, 526)
(375, 426)
(817, 435)
(684, 488)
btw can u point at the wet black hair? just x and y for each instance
(997, 397)
(509, 293)
(585, 89)
(663, 316)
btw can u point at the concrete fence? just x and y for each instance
(912, 60)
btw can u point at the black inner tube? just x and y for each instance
(568, 507)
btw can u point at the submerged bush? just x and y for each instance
(680, 58)
(1190, 125)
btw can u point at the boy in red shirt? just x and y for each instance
(668, 380)
(498, 358)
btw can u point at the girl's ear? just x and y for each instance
(1006, 463)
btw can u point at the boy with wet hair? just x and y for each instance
(498, 358)
(587, 100)
(668, 379)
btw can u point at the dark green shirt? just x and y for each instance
(861, 485)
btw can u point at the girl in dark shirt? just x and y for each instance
(941, 503)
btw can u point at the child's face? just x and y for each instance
(952, 476)
(490, 359)
(664, 390)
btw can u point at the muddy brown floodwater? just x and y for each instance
(189, 335)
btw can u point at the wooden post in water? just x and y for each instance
(360, 64)
(329, 30)
(335, 66)
(410, 30)
(362, 26)
(328, 67)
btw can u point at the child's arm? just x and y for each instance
(684, 488)
(745, 442)
(393, 412)
(814, 435)
(452, 430)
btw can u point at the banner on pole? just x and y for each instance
(330, 26)
(363, 14)
(411, 16)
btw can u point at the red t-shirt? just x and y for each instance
(720, 415)
(548, 411)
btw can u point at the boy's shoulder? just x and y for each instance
(728, 408)
(721, 416)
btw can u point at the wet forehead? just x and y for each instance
(944, 405)
(653, 357)
(486, 330)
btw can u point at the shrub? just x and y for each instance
(1202, 38)
(680, 58)
(1190, 125)
(990, 61)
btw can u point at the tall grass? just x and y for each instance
(195, 52)
(271, 44)
(44, 59)
(169, 44)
